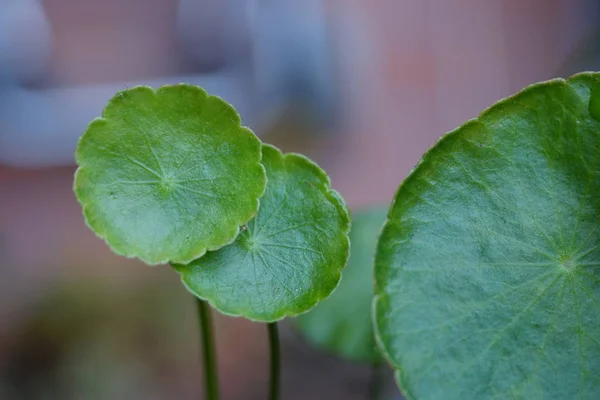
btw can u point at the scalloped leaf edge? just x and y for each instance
(100, 231)
(337, 200)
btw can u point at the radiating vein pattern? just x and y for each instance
(165, 175)
(487, 277)
(286, 259)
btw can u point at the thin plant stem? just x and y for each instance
(275, 361)
(376, 382)
(211, 379)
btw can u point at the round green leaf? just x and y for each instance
(289, 257)
(342, 323)
(167, 175)
(488, 268)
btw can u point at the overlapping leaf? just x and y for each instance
(166, 175)
(289, 257)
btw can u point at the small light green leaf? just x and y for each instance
(342, 323)
(167, 175)
(289, 257)
(488, 268)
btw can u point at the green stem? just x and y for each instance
(275, 361)
(376, 382)
(211, 380)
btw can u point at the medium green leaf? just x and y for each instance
(167, 175)
(488, 268)
(289, 257)
(342, 323)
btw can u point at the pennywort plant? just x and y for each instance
(486, 271)
(487, 274)
(171, 176)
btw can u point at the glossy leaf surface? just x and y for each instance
(166, 175)
(289, 257)
(488, 268)
(342, 324)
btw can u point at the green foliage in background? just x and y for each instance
(342, 324)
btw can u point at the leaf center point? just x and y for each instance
(567, 264)
(251, 242)
(167, 185)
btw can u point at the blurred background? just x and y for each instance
(363, 87)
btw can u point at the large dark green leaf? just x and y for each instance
(289, 257)
(342, 323)
(488, 268)
(166, 175)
